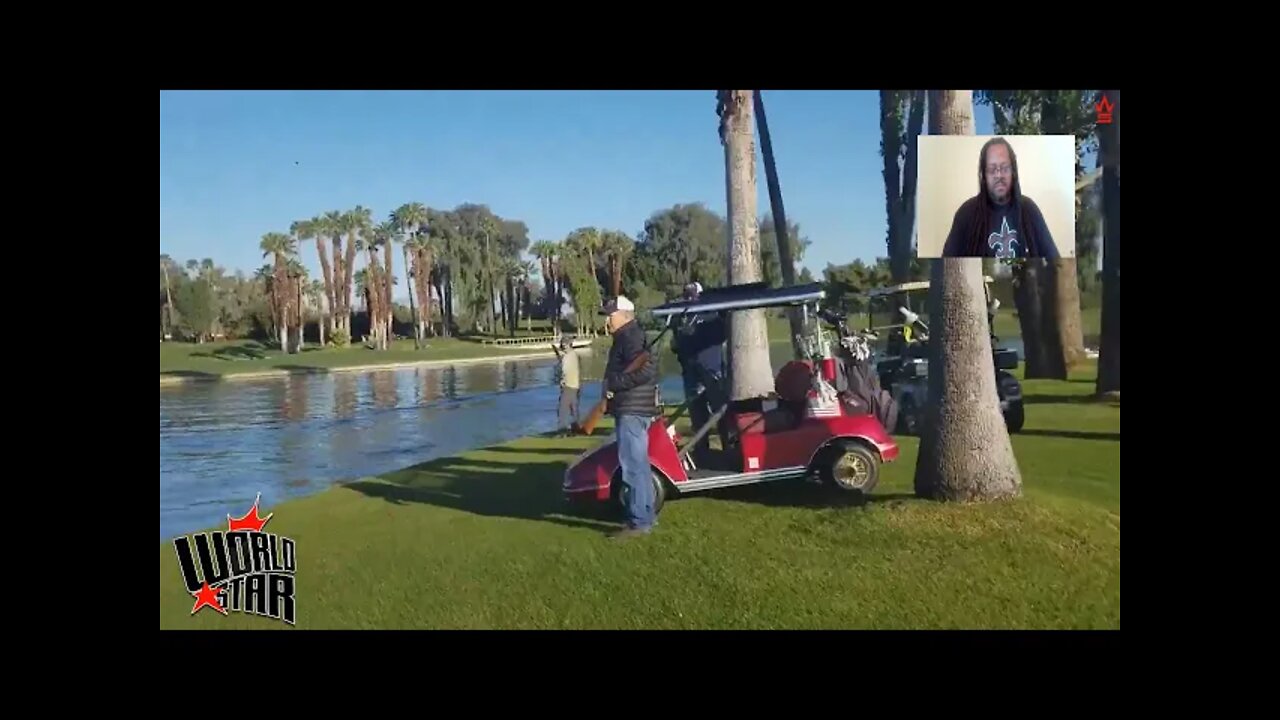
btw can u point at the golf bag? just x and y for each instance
(863, 391)
(859, 383)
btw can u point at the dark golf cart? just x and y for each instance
(804, 429)
(903, 360)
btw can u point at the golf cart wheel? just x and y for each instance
(619, 491)
(1014, 417)
(852, 467)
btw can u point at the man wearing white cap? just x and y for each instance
(633, 401)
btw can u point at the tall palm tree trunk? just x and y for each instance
(751, 370)
(449, 323)
(428, 302)
(341, 295)
(348, 277)
(965, 453)
(411, 271)
(388, 280)
(779, 223)
(302, 320)
(326, 273)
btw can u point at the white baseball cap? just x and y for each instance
(619, 303)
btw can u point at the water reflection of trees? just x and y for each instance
(482, 378)
(450, 381)
(385, 392)
(428, 385)
(344, 395)
(294, 399)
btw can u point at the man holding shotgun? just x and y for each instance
(631, 391)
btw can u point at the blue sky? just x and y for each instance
(237, 165)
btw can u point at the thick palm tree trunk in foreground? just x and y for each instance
(748, 335)
(965, 453)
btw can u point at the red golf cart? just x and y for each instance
(803, 430)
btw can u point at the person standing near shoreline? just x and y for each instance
(570, 385)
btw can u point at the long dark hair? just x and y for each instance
(978, 232)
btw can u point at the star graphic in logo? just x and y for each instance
(249, 521)
(1005, 242)
(207, 596)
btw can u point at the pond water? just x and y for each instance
(223, 443)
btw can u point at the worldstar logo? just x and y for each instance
(242, 570)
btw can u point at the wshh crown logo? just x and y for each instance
(244, 569)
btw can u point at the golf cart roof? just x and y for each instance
(744, 297)
(910, 286)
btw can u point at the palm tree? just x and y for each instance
(965, 453)
(527, 269)
(371, 290)
(297, 279)
(512, 271)
(408, 219)
(320, 228)
(266, 276)
(355, 223)
(422, 250)
(618, 247)
(751, 370)
(316, 293)
(281, 248)
(336, 224)
(362, 283)
(386, 234)
(544, 251)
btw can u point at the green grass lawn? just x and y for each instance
(245, 356)
(482, 541)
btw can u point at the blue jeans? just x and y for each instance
(633, 453)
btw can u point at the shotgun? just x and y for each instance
(597, 412)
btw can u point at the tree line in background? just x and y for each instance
(466, 271)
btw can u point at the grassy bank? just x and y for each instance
(221, 359)
(482, 541)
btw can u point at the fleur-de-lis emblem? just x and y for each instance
(1005, 242)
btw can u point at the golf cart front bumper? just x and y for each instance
(588, 476)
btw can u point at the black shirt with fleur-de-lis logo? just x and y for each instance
(1003, 237)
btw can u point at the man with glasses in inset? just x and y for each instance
(999, 221)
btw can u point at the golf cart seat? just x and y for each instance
(791, 386)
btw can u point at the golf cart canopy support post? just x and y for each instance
(744, 297)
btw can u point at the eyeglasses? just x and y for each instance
(999, 169)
